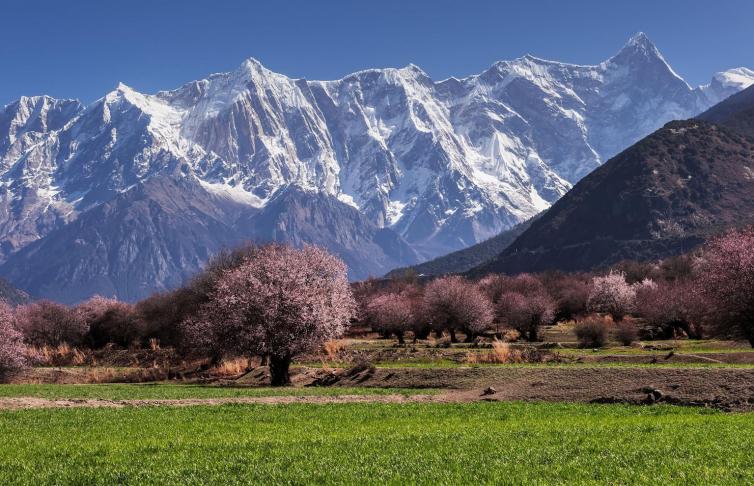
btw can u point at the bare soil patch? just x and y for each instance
(19, 403)
(721, 388)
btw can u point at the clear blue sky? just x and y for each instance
(82, 48)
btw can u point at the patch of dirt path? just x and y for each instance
(20, 403)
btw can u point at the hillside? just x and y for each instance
(662, 196)
(463, 260)
(736, 112)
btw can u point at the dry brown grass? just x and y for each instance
(333, 347)
(232, 367)
(154, 344)
(511, 336)
(61, 355)
(500, 353)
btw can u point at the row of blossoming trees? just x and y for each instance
(709, 292)
(277, 302)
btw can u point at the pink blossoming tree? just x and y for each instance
(611, 294)
(526, 312)
(458, 305)
(726, 279)
(11, 341)
(392, 313)
(47, 323)
(278, 302)
(110, 321)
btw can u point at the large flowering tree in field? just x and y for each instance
(11, 341)
(458, 305)
(278, 302)
(612, 295)
(726, 280)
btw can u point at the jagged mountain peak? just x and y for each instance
(407, 160)
(641, 53)
(640, 40)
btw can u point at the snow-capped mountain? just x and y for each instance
(436, 165)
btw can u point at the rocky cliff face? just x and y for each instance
(385, 166)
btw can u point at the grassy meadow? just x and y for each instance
(502, 443)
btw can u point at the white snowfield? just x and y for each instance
(445, 163)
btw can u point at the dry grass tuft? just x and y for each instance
(511, 336)
(232, 367)
(500, 353)
(61, 355)
(333, 347)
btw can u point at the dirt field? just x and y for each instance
(686, 372)
(721, 388)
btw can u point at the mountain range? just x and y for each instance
(385, 167)
(663, 196)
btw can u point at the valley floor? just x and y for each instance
(371, 411)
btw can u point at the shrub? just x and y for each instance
(458, 305)
(592, 332)
(333, 347)
(11, 342)
(111, 321)
(46, 323)
(611, 294)
(278, 302)
(511, 336)
(726, 280)
(626, 332)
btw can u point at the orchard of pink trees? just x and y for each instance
(276, 302)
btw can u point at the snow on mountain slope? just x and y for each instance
(444, 164)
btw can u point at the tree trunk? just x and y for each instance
(279, 366)
(533, 335)
(399, 335)
(453, 338)
(469, 336)
(422, 333)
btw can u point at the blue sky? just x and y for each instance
(82, 49)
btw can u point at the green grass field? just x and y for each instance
(176, 391)
(502, 443)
